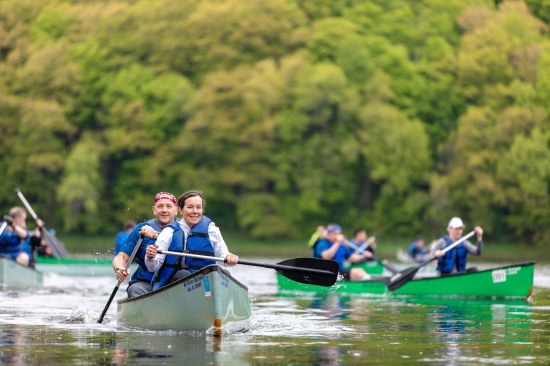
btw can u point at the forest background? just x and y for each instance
(393, 115)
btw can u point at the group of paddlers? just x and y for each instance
(19, 243)
(329, 243)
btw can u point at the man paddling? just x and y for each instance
(416, 252)
(455, 260)
(165, 211)
(331, 247)
(14, 242)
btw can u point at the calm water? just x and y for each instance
(56, 325)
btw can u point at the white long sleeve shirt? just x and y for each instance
(165, 239)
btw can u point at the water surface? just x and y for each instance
(57, 324)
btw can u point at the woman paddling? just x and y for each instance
(195, 234)
(455, 260)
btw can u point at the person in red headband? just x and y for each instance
(165, 209)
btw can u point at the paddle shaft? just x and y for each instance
(349, 244)
(3, 227)
(248, 263)
(33, 214)
(100, 320)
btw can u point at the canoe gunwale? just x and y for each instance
(383, 279)
(203, 271)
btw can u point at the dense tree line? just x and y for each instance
(389, 114)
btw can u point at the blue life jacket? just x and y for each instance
(414, 251)
(457, 256)
(325, 244)
(11, 243)
(142, 273)
(198, 242)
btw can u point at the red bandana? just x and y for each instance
(166, 195)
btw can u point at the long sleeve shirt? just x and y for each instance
(471, 248)
(165, 238)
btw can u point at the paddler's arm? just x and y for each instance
(119, 263)
(475, 249)
(437, 249)
(331, 252)
(21, 231)
(153, 260)
(220, 248)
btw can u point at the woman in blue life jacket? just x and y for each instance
(332, 248)
(455, 260)
(416, 252)
(164, 210)
(194, 234)
(13, 239)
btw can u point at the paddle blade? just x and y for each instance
(399, 279)
(58, 250)
(319, 279)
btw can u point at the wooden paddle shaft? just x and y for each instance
(248, 263)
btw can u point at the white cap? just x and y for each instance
(456, 222)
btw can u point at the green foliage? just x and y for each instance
(393, 115)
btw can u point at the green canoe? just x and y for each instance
(508, 282)
(208, 300)
(77, 266)
(14, 275)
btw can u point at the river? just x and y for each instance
(56, 324)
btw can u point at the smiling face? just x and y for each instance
(192, 210)
(164, 211)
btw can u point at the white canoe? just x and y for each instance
(14, 275)
(209, 300)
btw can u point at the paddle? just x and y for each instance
(58, 250)
(401, 278)
(3, 227)
(136, 248)
(349, 244)
(311, 271)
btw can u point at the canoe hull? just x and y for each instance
(508, 282)
(191, 304)
(14, 275)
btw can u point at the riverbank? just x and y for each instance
(102, 246)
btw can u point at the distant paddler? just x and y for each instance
(164, 210)
(416, 252)
(332, 247)
(194, 234)
(363, 246)
(455, 260)
(14, 240)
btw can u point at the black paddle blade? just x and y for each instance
(401, 278)
(58, 250)
(319, 279)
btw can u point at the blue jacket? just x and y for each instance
(458, 256)
(198, 242)
(325, 244)
(142, 273)
(10, 243)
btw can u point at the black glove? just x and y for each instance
(8, 219)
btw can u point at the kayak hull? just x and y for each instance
(206, 301)
(507, 282)
(14, 275)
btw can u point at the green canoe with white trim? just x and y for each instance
(209, 300)
(14, 275)
(507, 282)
